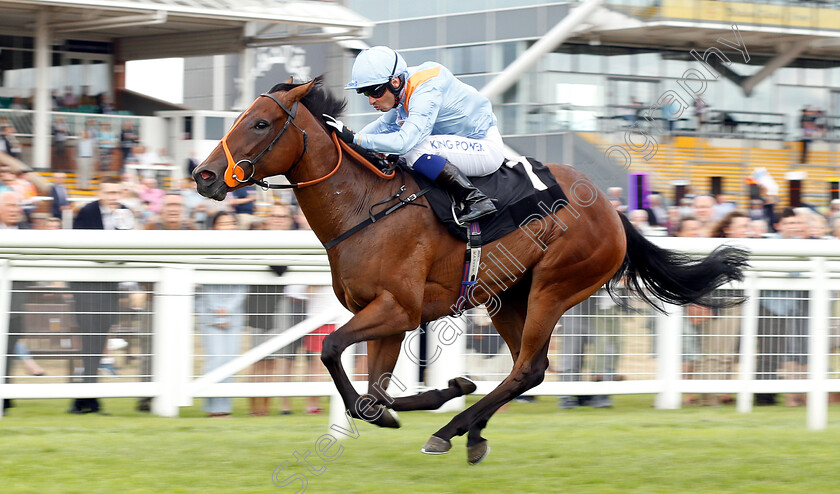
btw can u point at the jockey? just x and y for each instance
(443, 127)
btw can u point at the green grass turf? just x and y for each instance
(534, 448)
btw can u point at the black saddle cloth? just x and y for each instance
(517, 189)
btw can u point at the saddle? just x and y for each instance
(519, 189)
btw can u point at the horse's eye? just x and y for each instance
(262, 124)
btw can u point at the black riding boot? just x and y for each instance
(476, 204)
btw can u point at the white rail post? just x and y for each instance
(669, 330)
(818, 347)
(5, 308)
(749, 343)
(172, 334)
(447, 344)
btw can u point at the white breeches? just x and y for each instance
(474, 157)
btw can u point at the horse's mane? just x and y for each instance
(320, 101)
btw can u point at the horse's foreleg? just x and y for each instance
(382, 318)
(382, 358)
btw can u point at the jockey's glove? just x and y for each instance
(344, 133)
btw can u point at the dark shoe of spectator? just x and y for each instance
(568, 402)
(80, 406)
(600, 401)
(85, 405)
(285, 412)
(8, 404)
(144, 405)
(765, 399)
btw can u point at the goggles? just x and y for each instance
(373, 91)
(379, 90)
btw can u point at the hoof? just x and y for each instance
(477, 452)
(464, 384)
(387, 418)
(436, 446)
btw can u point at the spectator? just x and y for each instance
(220, 317)
(243, 200)
(697, 315)
(810, 130)
(782, 324)
(835, 227)
(616, 194)
(11, 218)
(673, 221)
(152, 194)
(639, 219)
(172, 214)
(128, 140)
(60, 197)
(97, 303)
(69, 100)
(9, 142)
(759, 228)
(700, 112)
(11, 214)
(271, 312)
(596, 321)
(722, 207)
(757, 209)
(833, 209)
(689, 226)
(719, 335)
(7, 179)
(634, 110)
(657, 214)
(60, 132)
(107, 147)
(197, 207)
(703, 211)
(85, 159)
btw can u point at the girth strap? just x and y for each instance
(408, 201)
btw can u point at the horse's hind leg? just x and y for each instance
(546, 303)
(509, 321)
(382, 357)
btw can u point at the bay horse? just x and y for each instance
(406, 269)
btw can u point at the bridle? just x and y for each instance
(231, 171)
(232, 180)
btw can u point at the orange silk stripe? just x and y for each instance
(417, 79)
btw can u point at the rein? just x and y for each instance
(232, 180)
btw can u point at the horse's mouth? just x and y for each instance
(208, 184)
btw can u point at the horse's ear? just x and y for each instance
(299, 92)
(291, 80)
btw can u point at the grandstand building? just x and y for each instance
(767, 61)
(590, 93)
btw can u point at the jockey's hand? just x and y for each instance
(343, 132)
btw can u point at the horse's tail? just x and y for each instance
(652, 272)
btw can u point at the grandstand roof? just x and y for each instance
(168, 28)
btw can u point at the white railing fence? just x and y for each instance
(150, 289)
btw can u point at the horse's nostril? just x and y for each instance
(205, 175)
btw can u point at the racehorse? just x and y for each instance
(406, 269)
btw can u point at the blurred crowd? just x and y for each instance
(706, 215)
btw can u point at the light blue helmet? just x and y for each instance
(376, 65)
